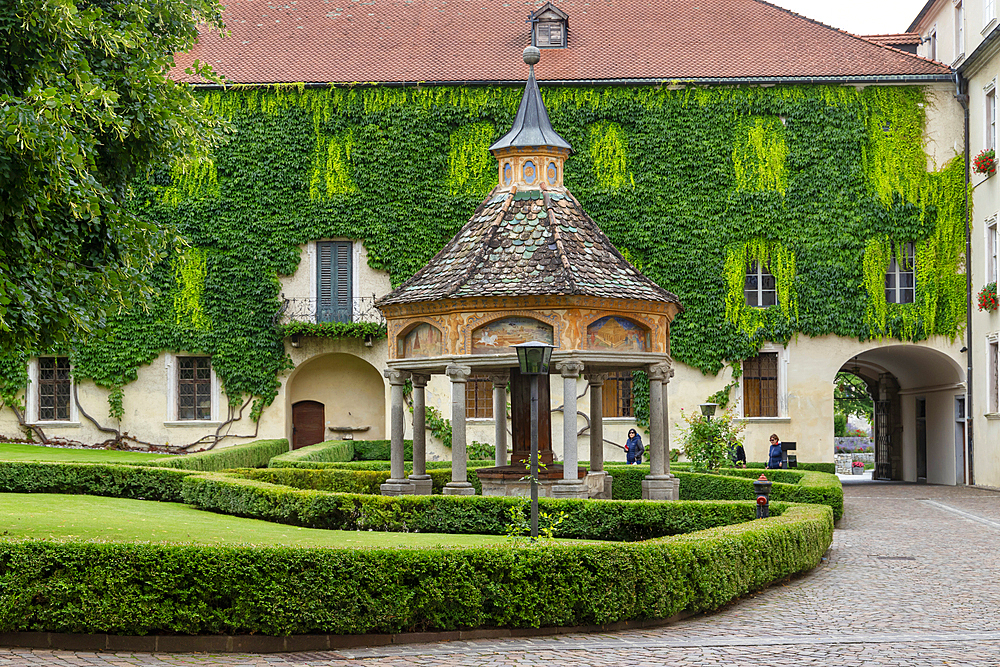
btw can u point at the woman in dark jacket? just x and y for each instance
(774, 453)
(633, 448)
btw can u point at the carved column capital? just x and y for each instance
(661, 372)
(458, 372)
(419, 379)
(570, 369)
(396, 376)
(596, 379)
(500, 379)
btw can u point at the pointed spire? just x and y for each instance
(531, 125)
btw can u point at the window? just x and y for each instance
(53, 389)
(759, 288)
(616, 395)
(993, 349)
(989, 11)
(991, 250)
(334, 282)
(549, 34)
(931, 40)
(899, 279)
(959, 29)
(194, 388)
(990, 114)
(760, 385)
(479, 397)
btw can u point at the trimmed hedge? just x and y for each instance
(605, 520)
(737, 484)
(329, 451)
(254, 454)
(347, 480)
(379, 450)
(829, 468)
(141, 589)
(96, 479)
(282, 462)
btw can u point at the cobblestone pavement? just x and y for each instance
(910, 581)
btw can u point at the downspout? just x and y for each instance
(962, 95)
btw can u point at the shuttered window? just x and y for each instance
(760, 385)
(479, 397)
(334, 302)
(616, 395)
(53, 389)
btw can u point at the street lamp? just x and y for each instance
(534, 358)
(708, 409)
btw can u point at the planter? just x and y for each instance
(857, 471)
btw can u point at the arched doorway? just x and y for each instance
(918, 396)
(308, 423)
(348, 391)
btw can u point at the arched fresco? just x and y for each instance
(423, 340)
(497, 336)
(619, 334)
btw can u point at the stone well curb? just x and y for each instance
(65, 641)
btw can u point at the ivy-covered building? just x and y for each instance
(796, 186)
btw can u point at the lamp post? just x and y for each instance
(534, 358)
(708, 409)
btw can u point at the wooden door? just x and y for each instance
(520, 415)
(308, 423)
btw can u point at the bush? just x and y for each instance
(331, 451)
(379, 450)
(96, 479)
(50, 586)
(605, 520)
(839, 425)
(254, 454)
(800, 486)
(707, 442)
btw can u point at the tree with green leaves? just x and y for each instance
(851, 397)
(85, 107)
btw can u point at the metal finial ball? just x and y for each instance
(531, 55)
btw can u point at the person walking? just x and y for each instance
(634, 448)
(774, 452)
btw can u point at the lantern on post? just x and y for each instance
(708, 410)
(533, 358)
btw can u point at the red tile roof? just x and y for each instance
(894, 39)
(343, 41)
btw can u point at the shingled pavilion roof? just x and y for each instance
(526, 243)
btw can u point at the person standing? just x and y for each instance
(634, 448)
(774, 453)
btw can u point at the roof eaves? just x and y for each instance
(860, 79)
(920, 15)
(986, 47)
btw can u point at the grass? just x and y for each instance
(18, 452)
(68, 517)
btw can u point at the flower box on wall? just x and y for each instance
(987, 298)
(985, 162)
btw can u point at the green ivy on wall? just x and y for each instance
(691, 184)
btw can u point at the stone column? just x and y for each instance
(598, 481)
(658, 485)
(459, 484)
(666, 421)
(500, 417)
(397, 484)
(420, 480)
(570, 486)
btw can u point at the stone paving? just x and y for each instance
(911, 580)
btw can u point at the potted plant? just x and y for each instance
(988, 297)
(985, 162)
(857, 468)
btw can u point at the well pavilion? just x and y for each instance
(529, 265)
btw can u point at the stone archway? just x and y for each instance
(351, 390)
(918, 392)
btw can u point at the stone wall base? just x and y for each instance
(661, 488)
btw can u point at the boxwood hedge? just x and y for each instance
(737, 484)
(254, 454)
(97, 479)
(140, 589)
(329, 451)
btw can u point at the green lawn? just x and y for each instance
(17, 452)
(55, 516)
